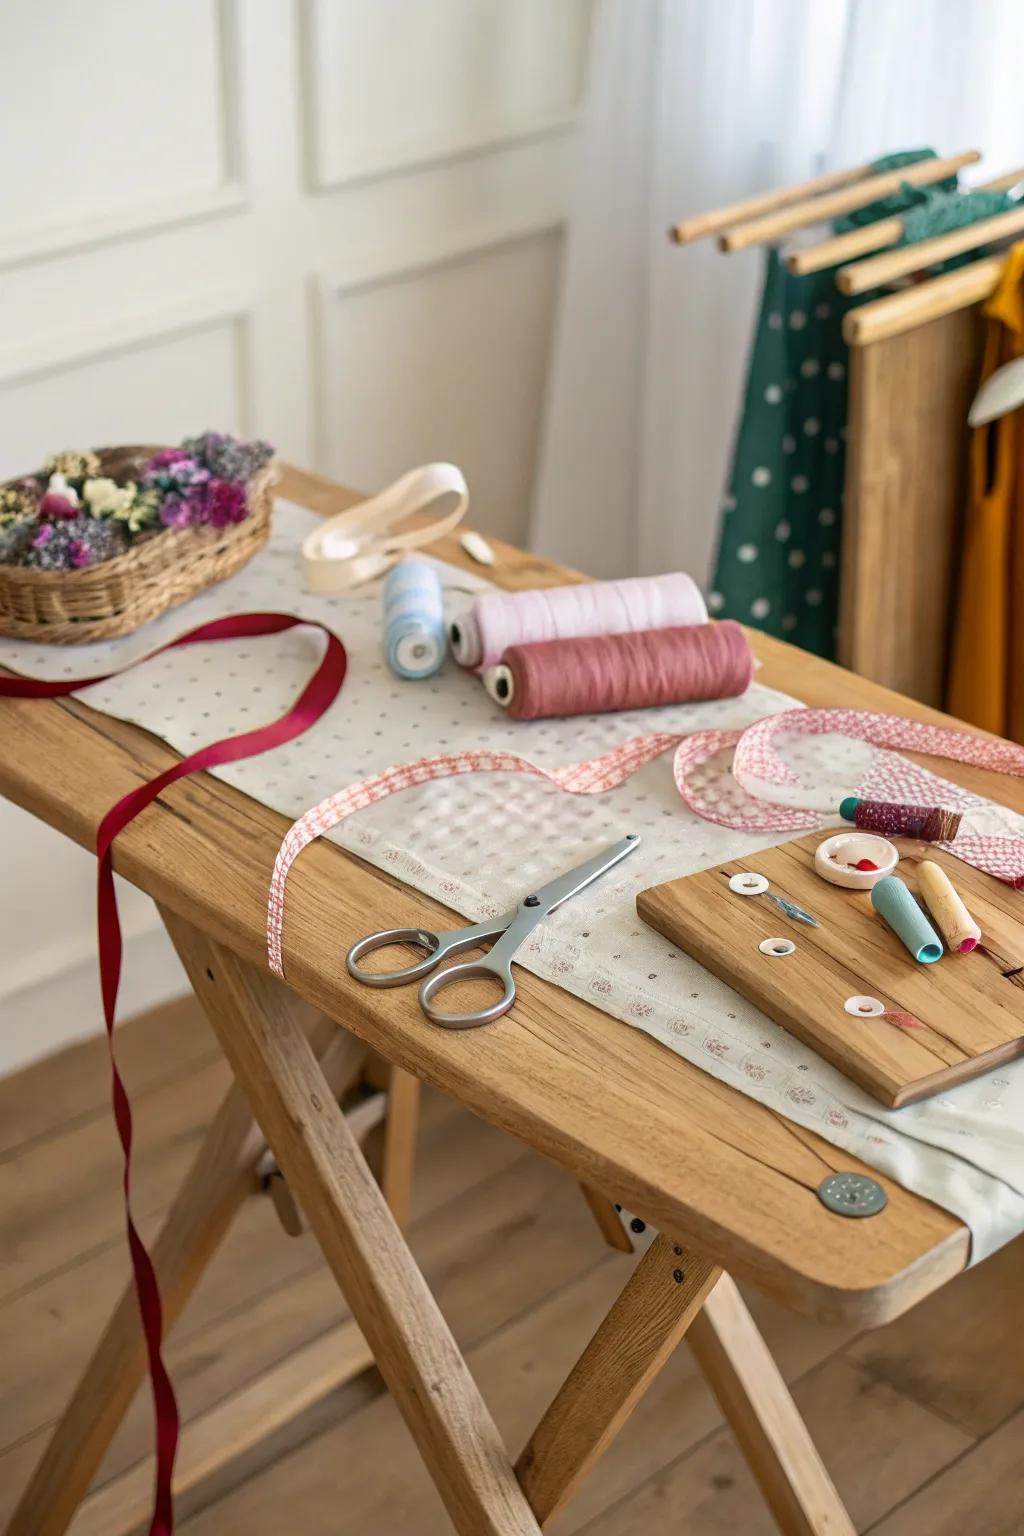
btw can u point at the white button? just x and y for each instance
(864, 1007)
(776, 947)
(746, 883)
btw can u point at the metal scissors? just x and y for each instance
(510, 929)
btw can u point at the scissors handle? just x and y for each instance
(469, 970)
(438, 947)
(422, 938)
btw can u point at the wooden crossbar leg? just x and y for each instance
(254, 1017)
(217, 1183)
(659, 1302)
(607, 1217)
(228, 1429)
(774, 1439)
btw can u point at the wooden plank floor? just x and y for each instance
(921, 1423)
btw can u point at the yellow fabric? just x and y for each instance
(986, 684)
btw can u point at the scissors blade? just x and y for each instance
(552, 895)
(535, 907)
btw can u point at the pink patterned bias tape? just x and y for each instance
(738, 797)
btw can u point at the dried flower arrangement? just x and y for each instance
(71, 515)
(97, 543)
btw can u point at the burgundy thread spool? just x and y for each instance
(929, 823)
(613, 672)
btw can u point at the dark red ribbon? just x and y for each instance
(317, 696)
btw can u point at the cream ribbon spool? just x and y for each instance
(356, 545)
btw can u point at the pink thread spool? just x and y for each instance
(499, 620)
(635, 671)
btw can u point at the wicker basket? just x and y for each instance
(116, 596)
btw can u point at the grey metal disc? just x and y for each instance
(852, 1194)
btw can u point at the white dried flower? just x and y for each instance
(58, 486)
(105, 498)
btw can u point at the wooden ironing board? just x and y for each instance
(728, 1184)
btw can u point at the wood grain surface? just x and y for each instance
(706, 1165)
(970, 1008)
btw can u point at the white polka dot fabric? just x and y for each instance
(476, 842)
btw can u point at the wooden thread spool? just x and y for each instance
(952, 918)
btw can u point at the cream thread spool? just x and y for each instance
(952, 918)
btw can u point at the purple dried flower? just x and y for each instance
(69, 546)
(228, 458)
(16, 540)
(184, 470)
(175, 513)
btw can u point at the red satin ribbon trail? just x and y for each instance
(317, 696)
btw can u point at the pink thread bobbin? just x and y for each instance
(498, 620)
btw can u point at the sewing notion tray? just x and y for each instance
(849, 989)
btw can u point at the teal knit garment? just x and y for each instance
(779, 549)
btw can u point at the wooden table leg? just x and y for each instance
(219, 1180)
(774, 1439)
(400, 1130)
(658, 1303)
(254, 1017)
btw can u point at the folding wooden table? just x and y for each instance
(728, 1184)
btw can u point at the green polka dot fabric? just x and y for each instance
(778, 558)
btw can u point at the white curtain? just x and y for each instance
(690, 104)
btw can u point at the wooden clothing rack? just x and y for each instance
(915, 355)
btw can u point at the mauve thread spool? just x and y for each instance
(499, 620)
(612, 672)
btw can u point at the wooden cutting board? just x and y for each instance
(962, 1016)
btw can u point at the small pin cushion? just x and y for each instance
(845, 859)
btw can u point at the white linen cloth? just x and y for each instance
(477, 842)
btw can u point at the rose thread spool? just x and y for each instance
(415, 639)
(498, 620)
(599, 673)
(893, 901)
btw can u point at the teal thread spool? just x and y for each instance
(415, 638)
(892, 900)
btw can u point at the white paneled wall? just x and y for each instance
(330, 223)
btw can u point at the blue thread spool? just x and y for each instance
(892, 900)
(415, 638)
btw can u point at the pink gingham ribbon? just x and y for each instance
(756, 771)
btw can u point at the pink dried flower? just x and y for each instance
(55, 508)
(226, 503)
(164, 459)
(43, 537)
(79, 554)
